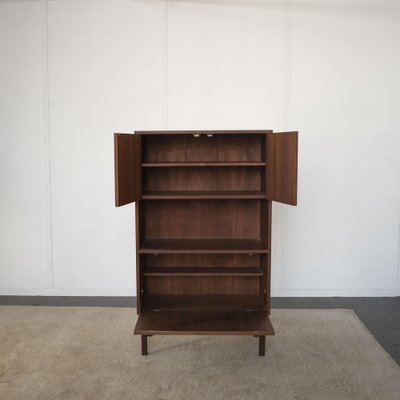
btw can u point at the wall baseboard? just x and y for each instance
(86, 292)
(335, 292)
(129, 292)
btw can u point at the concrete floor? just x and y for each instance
(381, 315)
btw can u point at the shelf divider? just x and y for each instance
(202, 271)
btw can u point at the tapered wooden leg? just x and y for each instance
(261, 346)
(144, 345)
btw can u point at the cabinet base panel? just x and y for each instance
(254, 323)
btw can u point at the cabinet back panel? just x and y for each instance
(166, 285)
(187, 148)
(202, 260)
(206, 219)
(203, 179)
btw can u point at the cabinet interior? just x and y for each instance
(204, 219)
(191, 148)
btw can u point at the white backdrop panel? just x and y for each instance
(105, 77)
(22, 168)
(346, 103)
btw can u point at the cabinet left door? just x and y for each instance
(127, 160)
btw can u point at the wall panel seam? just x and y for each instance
(286, 88)
(164, 68)
(47, 148)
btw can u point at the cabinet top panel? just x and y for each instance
(204, 132)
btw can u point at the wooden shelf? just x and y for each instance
(202, 303)
(202, 246)
(203, 323)
(199, 195)
(205, 164)
(202, 271)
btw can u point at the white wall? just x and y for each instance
(74, 72)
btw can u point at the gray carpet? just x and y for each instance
(90, 353)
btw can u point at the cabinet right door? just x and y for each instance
(281, 177)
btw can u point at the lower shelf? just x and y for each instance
(204, 323)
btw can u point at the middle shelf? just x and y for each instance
(205, 164)
(203, 246)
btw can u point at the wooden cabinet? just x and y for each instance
(203, 226)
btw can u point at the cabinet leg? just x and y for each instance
(261, 346)
(144, 345)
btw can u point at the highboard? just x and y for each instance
(203, 226)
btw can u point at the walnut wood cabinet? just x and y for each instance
(203, 226)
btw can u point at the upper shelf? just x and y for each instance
(205, 164)
(201, 194)
(249, 153)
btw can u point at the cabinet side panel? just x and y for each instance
(268, 260)
(265, 234)
(139, 258)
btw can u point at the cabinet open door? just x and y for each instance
(127, 159)
(282, 167)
